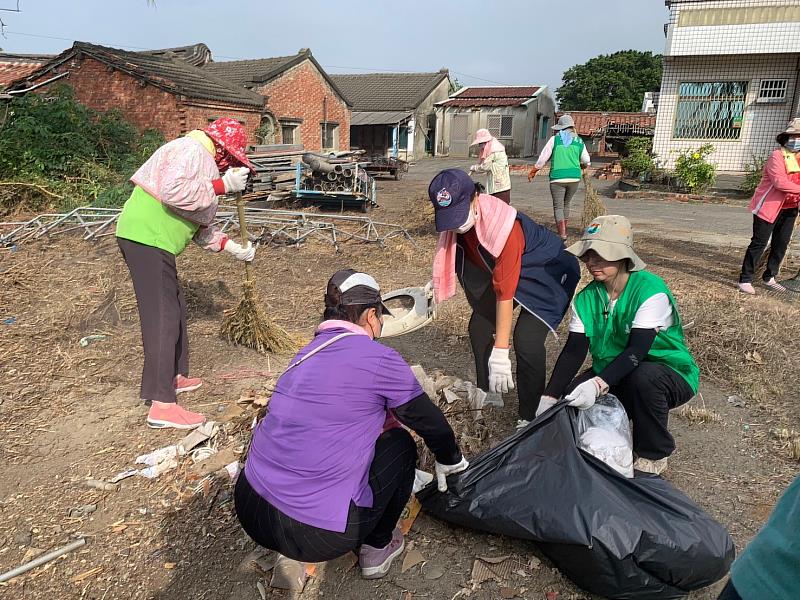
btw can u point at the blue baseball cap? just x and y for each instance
(451, 192)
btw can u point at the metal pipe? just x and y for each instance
(46, 558)
(332, 176)
(347, 172)
(338, 168)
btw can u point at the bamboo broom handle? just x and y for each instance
(248, 268)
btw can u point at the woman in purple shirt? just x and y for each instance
(329, 469)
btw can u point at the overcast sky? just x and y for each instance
(481, 42)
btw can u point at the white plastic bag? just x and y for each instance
(604, 432)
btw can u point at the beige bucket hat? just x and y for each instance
(611, 236)
(792, 129)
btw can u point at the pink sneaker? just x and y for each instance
(375, 562)
(186, 384)
(169, 414)
(747, 288)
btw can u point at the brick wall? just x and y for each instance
(300, 93)
(100, 88)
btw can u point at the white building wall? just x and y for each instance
(761, 122)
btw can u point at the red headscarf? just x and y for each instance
(230, 139)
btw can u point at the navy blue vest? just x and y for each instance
(548, 276)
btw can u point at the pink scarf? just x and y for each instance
(491, 147)
(493, 224)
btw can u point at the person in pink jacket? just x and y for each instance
(774, 208)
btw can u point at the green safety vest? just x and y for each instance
(146, 221)
(566, 160)
(608, 335)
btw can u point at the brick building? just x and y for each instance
(308, 106)
(160, 89)
(605, 133)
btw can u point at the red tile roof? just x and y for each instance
(17, 66)
(492, 96)
(594, 122)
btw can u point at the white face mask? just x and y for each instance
(469, 224)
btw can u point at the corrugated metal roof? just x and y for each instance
(381, 117)
(388, 91)
(492, 96)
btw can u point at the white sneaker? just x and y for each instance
(747, 288)
(645, 465)
(774, 285)
(522, 423)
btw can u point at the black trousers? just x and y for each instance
(530, 334)
(391, 477)
(781, 233)
(162, 315)
(648, 394)
(729, 592)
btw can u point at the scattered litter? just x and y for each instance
(442, 382)
(232, 470)
(9, 321)
(432, 571)
(203, 433)
(499, 568)
(202, 453)
(450, 396)
(82, 511)
(262, 591)
(412, 558)
(508, 592)
(699, 415)
(170, 565)
(86, 340)
(156, 470)
(217, 461)
(421, 479)
(288, 574)
(24, 568)
(426, 382)
(157, 456)
(493, 399)
(255, 397)
(409, 515)
(737, 401)
(534, 563)
(230, 413)
(104, 486)
(123, 475)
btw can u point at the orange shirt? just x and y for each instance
(507, 266)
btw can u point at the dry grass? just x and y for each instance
(593, 206)
(248, 325)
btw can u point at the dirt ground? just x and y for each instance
(69, 413)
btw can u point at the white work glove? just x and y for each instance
(584, 396)
(545, 404)
(500, 379)
(246, 253)
(235, 179)
(442, 471)
(473, 169)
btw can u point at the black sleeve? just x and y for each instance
(426, 419)
(568, 364)
(639, 344)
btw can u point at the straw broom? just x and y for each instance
(593, 206)
(247, 324)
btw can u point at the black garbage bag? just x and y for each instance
(621, 538)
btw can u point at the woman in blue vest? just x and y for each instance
(568, 156)
(502, 259)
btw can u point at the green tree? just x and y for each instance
(611, 82)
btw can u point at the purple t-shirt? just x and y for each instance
(310, 456)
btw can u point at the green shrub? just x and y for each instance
(693, 171)
(754, 171)
(72, 151)
(640, 160)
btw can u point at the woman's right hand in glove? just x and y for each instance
(235, 179)
(545, 404)
(245, 253)
(442, 471)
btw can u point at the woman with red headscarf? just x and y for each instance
(173, 203)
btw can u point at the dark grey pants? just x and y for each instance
(162, 313)
(562, 194)
(778, 235)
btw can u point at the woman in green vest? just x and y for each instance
(568, 156)
(175, 202)
(627, 319)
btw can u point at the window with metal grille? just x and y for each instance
(772, 90)
(710, 110)
(500, 126)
